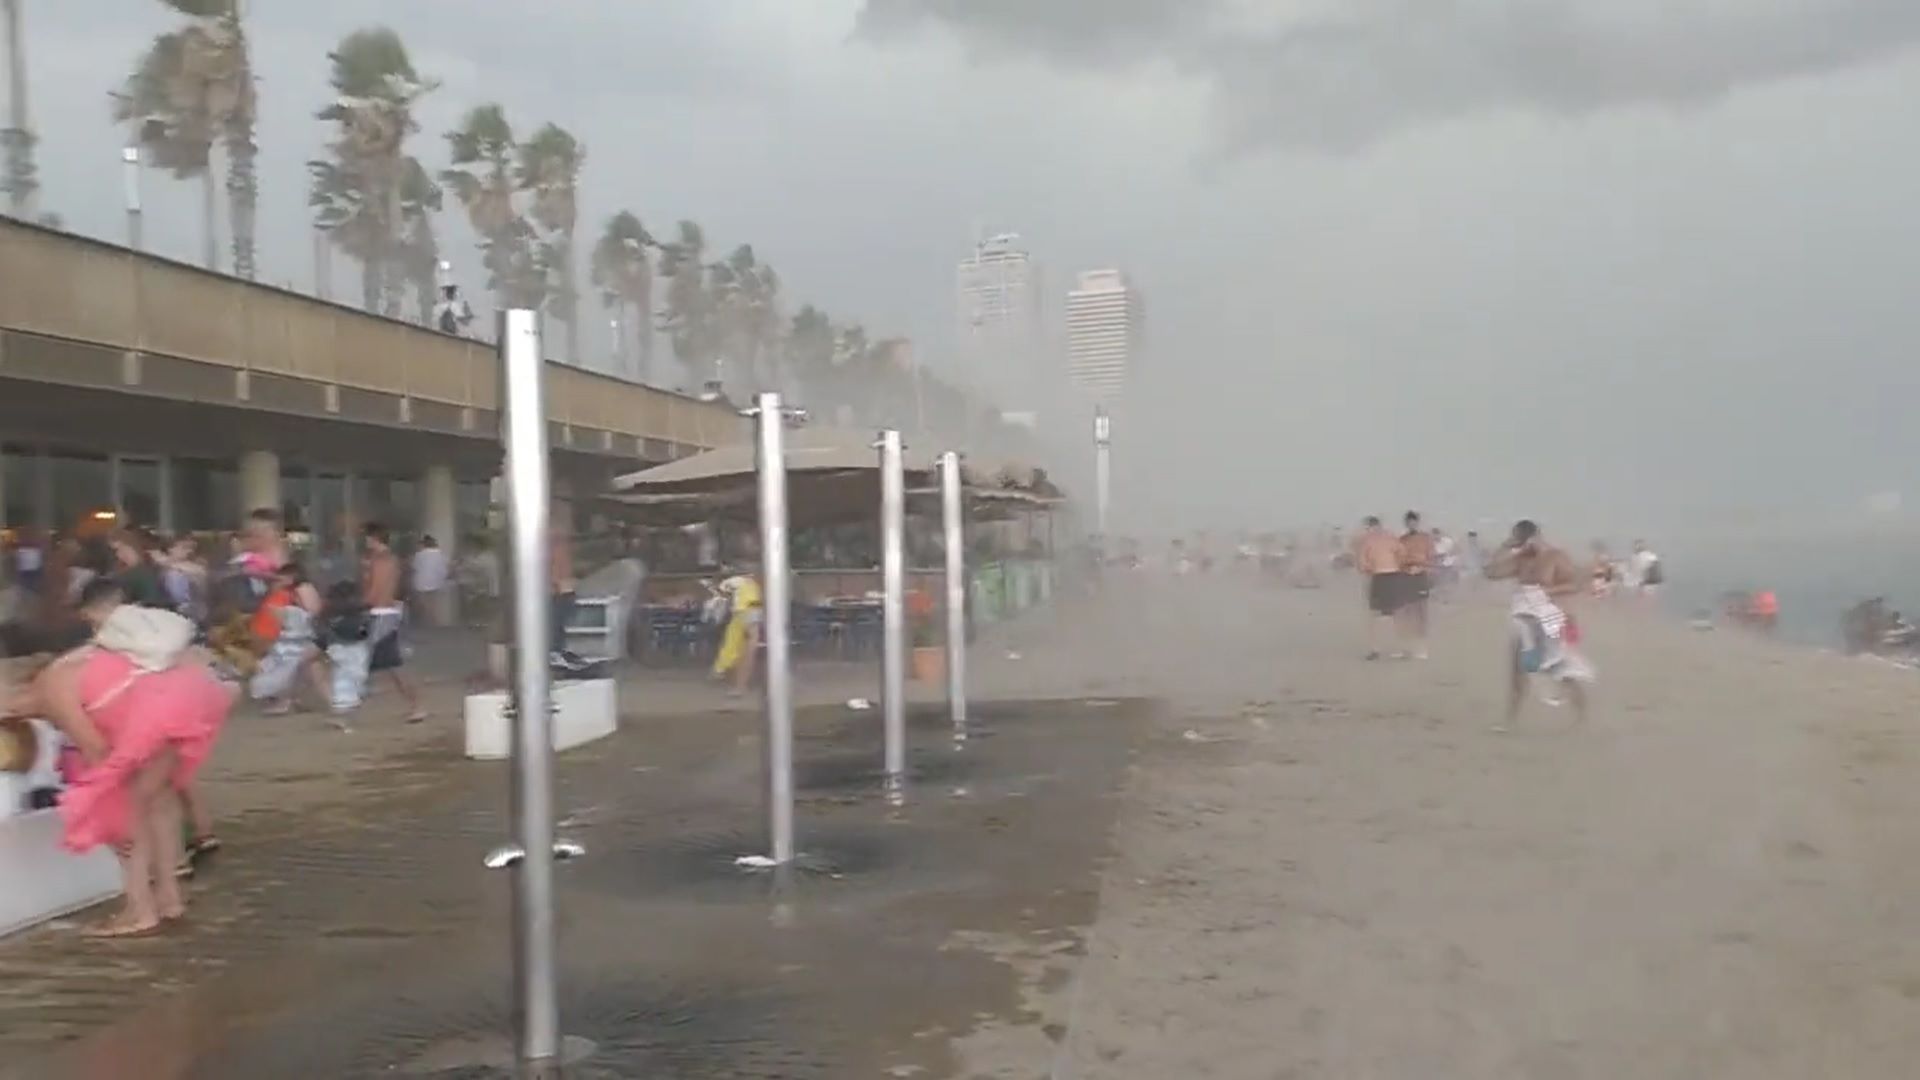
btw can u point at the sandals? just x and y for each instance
(198, 848)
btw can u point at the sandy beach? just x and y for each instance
(1331, 868)
(1278, 860)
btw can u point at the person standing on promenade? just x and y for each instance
(1546, 638)
(1377, 556)
(430, 573)
(1416, 572)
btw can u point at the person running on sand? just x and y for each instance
(1377, 556)
(1644, 572)
(1546, 638)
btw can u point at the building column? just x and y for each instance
(440, 519)
(259, 475)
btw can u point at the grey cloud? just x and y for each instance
(1090, 31)
(1370, 68)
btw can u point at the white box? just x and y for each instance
(584, 710)
(44, 880)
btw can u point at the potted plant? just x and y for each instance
(923, 631)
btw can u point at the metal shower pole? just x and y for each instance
(893, 607)
(772, 463)
(522, 374)
(953, 529)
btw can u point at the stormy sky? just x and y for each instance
(1622, 264)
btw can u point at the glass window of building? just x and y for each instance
(206, 495)
(330, 519)
(19, 480)
(82, 486)
(138, 499)
(296, 502)
(473, 507)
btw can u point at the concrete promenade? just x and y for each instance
(1229, 849)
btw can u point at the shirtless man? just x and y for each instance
(563, 587)
(380, 590)
(1546, 583)
(1377, 556)
(1416, 572)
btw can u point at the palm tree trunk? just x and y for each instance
(643, 322)
(371, 288)
(391, 272)
(243, 177)
(19, 179)
(571, 300)
(209, 219)
(243, 197)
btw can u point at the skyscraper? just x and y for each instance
(1104, 316)
(1001, 331)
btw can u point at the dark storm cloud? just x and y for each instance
(1348, 74)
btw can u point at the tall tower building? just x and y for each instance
(1104, 320)
(1001, 328)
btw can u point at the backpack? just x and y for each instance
(346, 617)
(235, 593)
(264, 624)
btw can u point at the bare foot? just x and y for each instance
(123, 925)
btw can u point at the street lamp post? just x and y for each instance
(130, 173)
(1102, 467)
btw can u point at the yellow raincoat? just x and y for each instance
(744, 594)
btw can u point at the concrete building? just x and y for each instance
(141, 390)
(1104, 319)
(1002, 320)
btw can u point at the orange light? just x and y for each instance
(104, 515)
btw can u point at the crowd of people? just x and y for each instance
(132, 649)
(269, 624)
(1404, 570)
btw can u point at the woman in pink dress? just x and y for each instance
(144, 715)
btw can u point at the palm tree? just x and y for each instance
(623, 272)
(195, 86)
(745, 296)
(19, 178)
(165, 105)
(371, 197)
(228, 68)
(809, 354)
(689, 316)
(549, 172)
(417, 258)
(482, 179)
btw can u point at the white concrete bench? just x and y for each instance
(584, 710)
(40, 880)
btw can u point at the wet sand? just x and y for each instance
(1296, 864)
(1350, 875)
